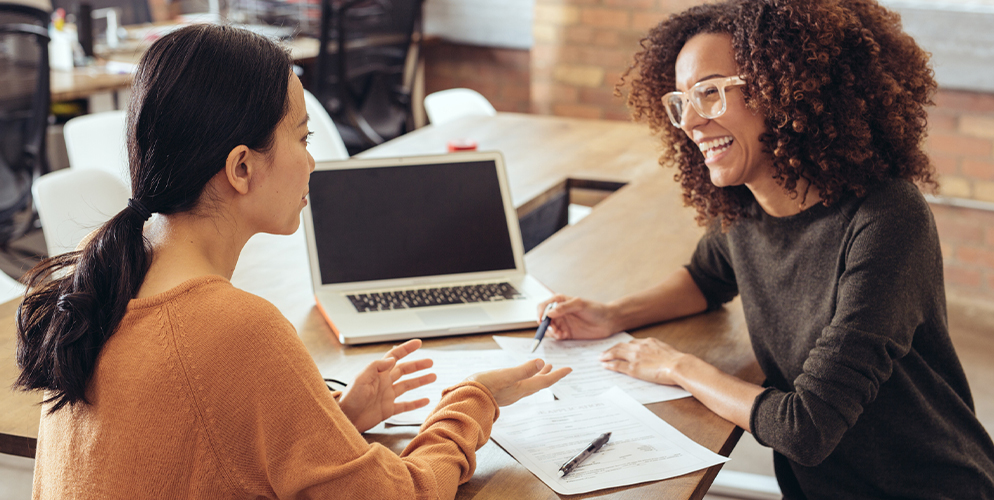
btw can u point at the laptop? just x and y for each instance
(417, 247)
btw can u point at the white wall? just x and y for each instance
(959, 35)
(488, 23)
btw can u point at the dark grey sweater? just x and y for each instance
(846, 310)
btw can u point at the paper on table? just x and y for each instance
(453, 367)
(643, 447)
(589, 378)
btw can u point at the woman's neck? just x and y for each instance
(186, 246)
(775, 201)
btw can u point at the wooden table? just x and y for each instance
(630, 241)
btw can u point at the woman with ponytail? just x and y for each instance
(161, 379)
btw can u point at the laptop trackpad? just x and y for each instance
(459, 316)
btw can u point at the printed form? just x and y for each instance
(453, 367)
(643, 447)
(589, 378)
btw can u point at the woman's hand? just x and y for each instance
(511, 384)
(576, 318)
(647, 359)
(370, 398)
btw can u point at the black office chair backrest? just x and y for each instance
(24, 100)
(366, 87)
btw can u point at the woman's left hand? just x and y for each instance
(647, 359)
(370, 398)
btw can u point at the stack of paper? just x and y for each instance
(589, 378)
(453, 367)
(643, 447)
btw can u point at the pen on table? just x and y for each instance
(543, 326)
(580, 457)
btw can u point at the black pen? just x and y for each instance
(580, 457)
(543, 326)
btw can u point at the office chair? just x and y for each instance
(97, 141)
(326, 144)
(365, 67)
(447, 105)
(72, 203)
(9, 288)
(24, 99)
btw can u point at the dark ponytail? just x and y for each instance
(198, 93)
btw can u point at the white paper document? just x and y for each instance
(453, 367)
(589, 378)
(643, 447)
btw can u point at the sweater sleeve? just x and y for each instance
(276, 431)
(711, 269)
(892, 274)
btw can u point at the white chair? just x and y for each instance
(97, 141)
(71, 203)
(447, 105)
(326, 143)
(9, 288)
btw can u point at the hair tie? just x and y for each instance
(139, 209)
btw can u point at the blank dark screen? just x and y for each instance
(409, 221)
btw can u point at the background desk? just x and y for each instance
(84, 82)
(630, 241)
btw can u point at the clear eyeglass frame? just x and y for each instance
(702, 98)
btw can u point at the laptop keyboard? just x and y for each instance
(407, 299)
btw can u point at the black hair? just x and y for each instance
(198, 93)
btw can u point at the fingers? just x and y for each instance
(410, 367)
(384, 365)
(399, 351)
(405, 385)
(559, 299)
(542, 380)
(566, 306)
(409, 405)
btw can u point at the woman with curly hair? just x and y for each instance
(796, 127)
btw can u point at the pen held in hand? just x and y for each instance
(580, 457)
(543, 325)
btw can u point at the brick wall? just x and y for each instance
(583, 46)
(501, 75)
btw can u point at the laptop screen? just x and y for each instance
(409, 221)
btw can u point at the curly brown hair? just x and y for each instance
(843, 90)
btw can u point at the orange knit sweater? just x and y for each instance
(205, 391)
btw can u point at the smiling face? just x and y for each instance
(730, 143)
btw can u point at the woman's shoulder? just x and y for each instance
(213, 300)
(895, 202)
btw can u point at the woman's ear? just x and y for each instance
(239, 168)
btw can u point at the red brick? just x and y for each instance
(554, 93)
(945, 163)
(942, 120)
(961, 277)
(990, 282)
(631, 4)
(978, 168)
(605, 58)
(622, 115)
(982, 257)
(645, 21)
(960, 100)
(516, 92)
(605, 18)
(607, 38)
(602, 97)
(576, 111)
(989, 240)
(579, 34)
(959, 145)
(960, 231)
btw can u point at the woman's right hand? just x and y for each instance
(511, 384)
(578, 319)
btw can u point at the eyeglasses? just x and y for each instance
(707, 98)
